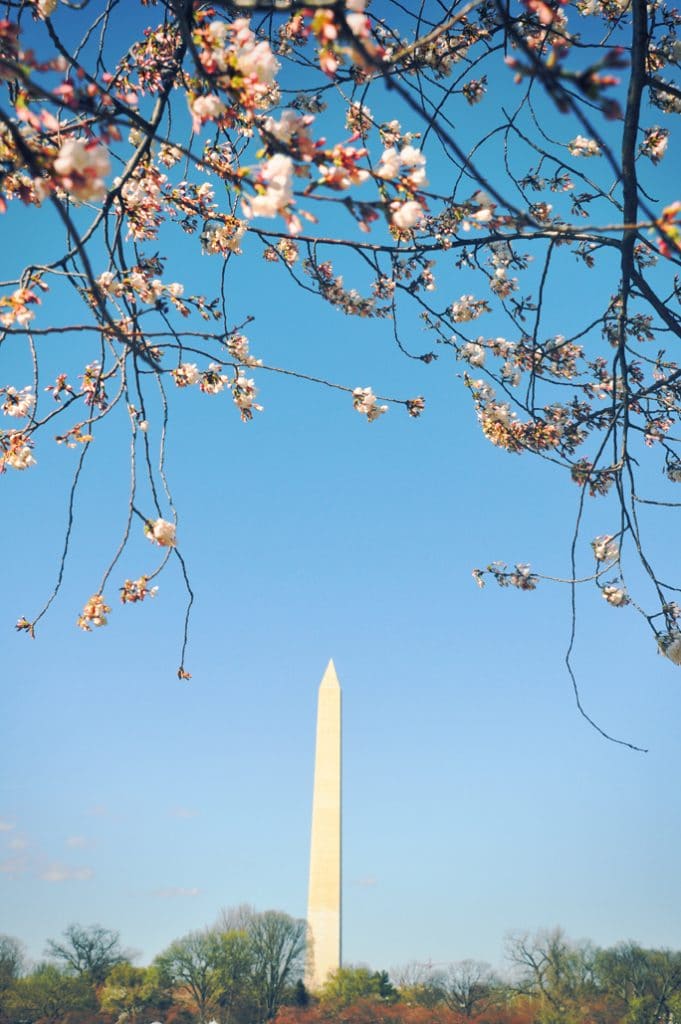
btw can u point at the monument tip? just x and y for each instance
(330, 679)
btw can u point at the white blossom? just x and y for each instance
(605, 548)
(467, 308)
(20, 457)
(18, 403)
(186, 374)
(581, 146)
(365, 402)
(406, 215)
(259, 61)
(161, 532)
(237, 346)
(207, 108)
(389, 165)
(244, 392)
(276, 174)
(616, 596)
(107, 282)
(473, 353)
(213, 380)
(225, 238)
(290, 123)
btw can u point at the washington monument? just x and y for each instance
(324, 894)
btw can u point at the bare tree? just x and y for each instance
(469, 987)
(561, 973)
(88, 952)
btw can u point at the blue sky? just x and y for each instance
(476, 800)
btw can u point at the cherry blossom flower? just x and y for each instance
(254, 59)
(18, 303)
(655, 143)
(364, 401)
(238, 61)
(94, 613)
(160, 532)
(616, 596)
(605, 548)
(523, 578)
(108, 283)
(342, 171)
(473, 353)
(406, 215)
(169, 155)
(244, 392)
(80, 168)
(468, 308)
(237, 346)
(501, 285)
(224, 238)
(206, 108)
(18, 403)
(15, 451)
(291, 131)
(413, 160)
(141, 198)
(389, 166)
(581, 146)
(288, 250)
(94, 391)
(359, 119)
(213, 380)
(275, 192)
(136, 590)
(186, 374)
(670, 645)
(359, 24)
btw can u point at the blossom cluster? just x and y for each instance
(161, 532)
(468, 308)
(15, 450)
(18, 404)
(94, 613)
(81, 168)
(605, 548)
(366, 403)
(237, 62)
(520, 576)
(212, 380)
(133, 591)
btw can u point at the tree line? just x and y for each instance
(248, 969)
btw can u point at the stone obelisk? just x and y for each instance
(324, 894)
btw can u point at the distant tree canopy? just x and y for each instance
(511, 152)
(227, 973)
(217, 974)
